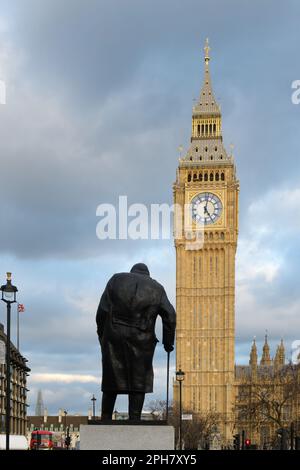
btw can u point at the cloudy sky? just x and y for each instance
(98, 99)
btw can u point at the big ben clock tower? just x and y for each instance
(206, 189)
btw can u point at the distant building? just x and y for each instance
(19, 373)
(267, 397)
(39, 408)
(59, 424)
(122, 415)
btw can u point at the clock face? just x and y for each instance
(206, 208)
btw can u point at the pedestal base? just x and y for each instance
(126, 437)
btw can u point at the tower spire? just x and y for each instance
(253, 353)
(266, 359)
(207, 104)
(253, 358)
(39, 408)
(206, 138)
(279, 359)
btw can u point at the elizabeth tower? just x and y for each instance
(206, 205)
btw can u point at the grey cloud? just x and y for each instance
(66, 159)
(95, 49)
(59, 183)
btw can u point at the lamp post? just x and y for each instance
(8, 292)
(65, 413)
(94, 399)
(66, 431)
(180, 378)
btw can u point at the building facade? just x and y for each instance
(268, 398)
(59, 424)
(206, 231)
(19, 374)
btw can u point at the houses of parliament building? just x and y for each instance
(207, 184)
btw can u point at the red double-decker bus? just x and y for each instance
(45, 440)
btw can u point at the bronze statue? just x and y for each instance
(126, 319)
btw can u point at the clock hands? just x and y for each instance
(205, 208)
(206, 211)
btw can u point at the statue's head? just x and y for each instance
(140, 268)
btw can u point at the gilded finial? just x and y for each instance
(266, 336)
(206, 49)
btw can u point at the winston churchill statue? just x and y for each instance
(126, 319)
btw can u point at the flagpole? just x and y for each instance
(18, 328)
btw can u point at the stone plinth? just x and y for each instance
(126, 437)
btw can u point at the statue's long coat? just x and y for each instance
(126, 328)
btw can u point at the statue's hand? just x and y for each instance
(168, 347)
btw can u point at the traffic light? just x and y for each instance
(247, 443)
(236, 442)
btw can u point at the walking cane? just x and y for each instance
(168, 369)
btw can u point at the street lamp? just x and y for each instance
(67, 433)
(8, 292)
(65, 413)
(180, 378)
(94, 399)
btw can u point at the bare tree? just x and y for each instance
(271, 398)
(195, 432)
(198, 431)
(157, 409)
